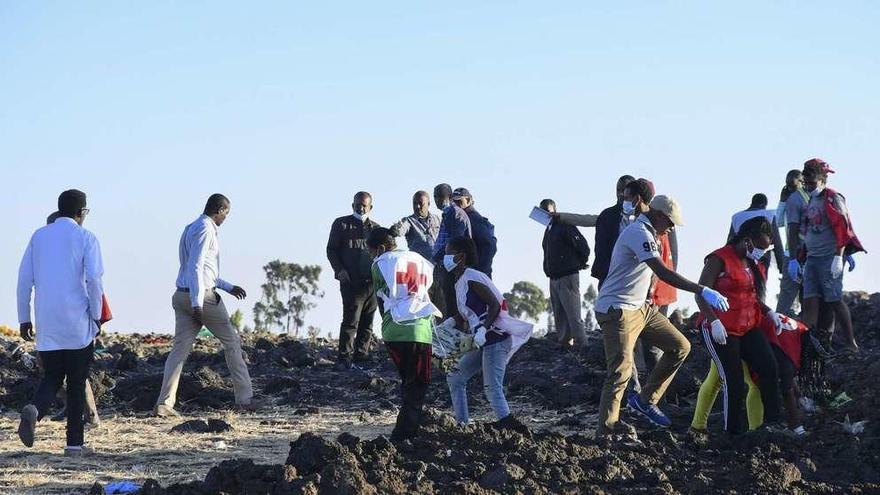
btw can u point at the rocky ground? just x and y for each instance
(554, 391)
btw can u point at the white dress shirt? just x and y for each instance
(62, 265)
(200, 260)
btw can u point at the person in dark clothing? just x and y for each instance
(350, 258)
(608, 227)
(454, 223)
(566, 253)
(482, 230)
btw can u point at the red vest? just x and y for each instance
(665, 294)
(737, 284)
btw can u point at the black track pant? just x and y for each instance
(755, 350)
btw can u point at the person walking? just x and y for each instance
(402, 278)
(625, 313)
(735, 336)
(197, 304)
(350, 259)
(566, 253)
(62, 268)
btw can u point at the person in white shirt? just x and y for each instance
(196, 303)
(625, 313)
(62, 266)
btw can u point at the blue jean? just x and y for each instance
(493, 361)
(818, 281)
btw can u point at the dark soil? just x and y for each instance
(562, 457)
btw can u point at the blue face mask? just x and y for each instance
(628, 207)
(449, 262)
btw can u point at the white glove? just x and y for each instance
(480, 337)
(777, 320)
(837, 266)
(715, 299)
(719, 333)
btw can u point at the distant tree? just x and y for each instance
(287, 296)
(589, 302)
(526, 300)
(237, 318)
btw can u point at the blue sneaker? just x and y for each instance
(649, 411)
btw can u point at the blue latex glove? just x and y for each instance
(794, 270)
(852, 262)
(715, 299)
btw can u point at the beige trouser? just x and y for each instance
(216, 319)
(620, 330)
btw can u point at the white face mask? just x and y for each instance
(449, 262)
(361, 217)
(628, 207)
(816, 192)
(756, 253)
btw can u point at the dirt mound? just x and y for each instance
(486, 459)
(203, 426)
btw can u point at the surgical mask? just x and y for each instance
(449, 262)
(362, 217)
(628, 207)
(816, 192)
(756, 253)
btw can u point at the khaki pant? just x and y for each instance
(216, 319)
(620, 330)
(565, 299)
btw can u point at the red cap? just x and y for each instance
(818, 162)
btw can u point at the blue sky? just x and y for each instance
(289, 109)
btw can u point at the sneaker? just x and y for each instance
(649, 411)
(28, 426)
(78, 451)
(163, 411)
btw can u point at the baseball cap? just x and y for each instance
(669, 207)
(820, 164)
(461, 192)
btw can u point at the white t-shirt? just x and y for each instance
(629, 278)
(742, 217)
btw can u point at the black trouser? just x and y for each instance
(356, 330)
(755, 350)
(786, 369)
(74, 366)
(413, 361)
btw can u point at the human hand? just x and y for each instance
(719, 333)
(715, 299)
(837, 266)
(26, 330)
(238, 293)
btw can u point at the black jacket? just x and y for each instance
(347, 248)
(483, 234)
(565, 250)
(607, 232)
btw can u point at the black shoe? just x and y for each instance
(622, 433)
